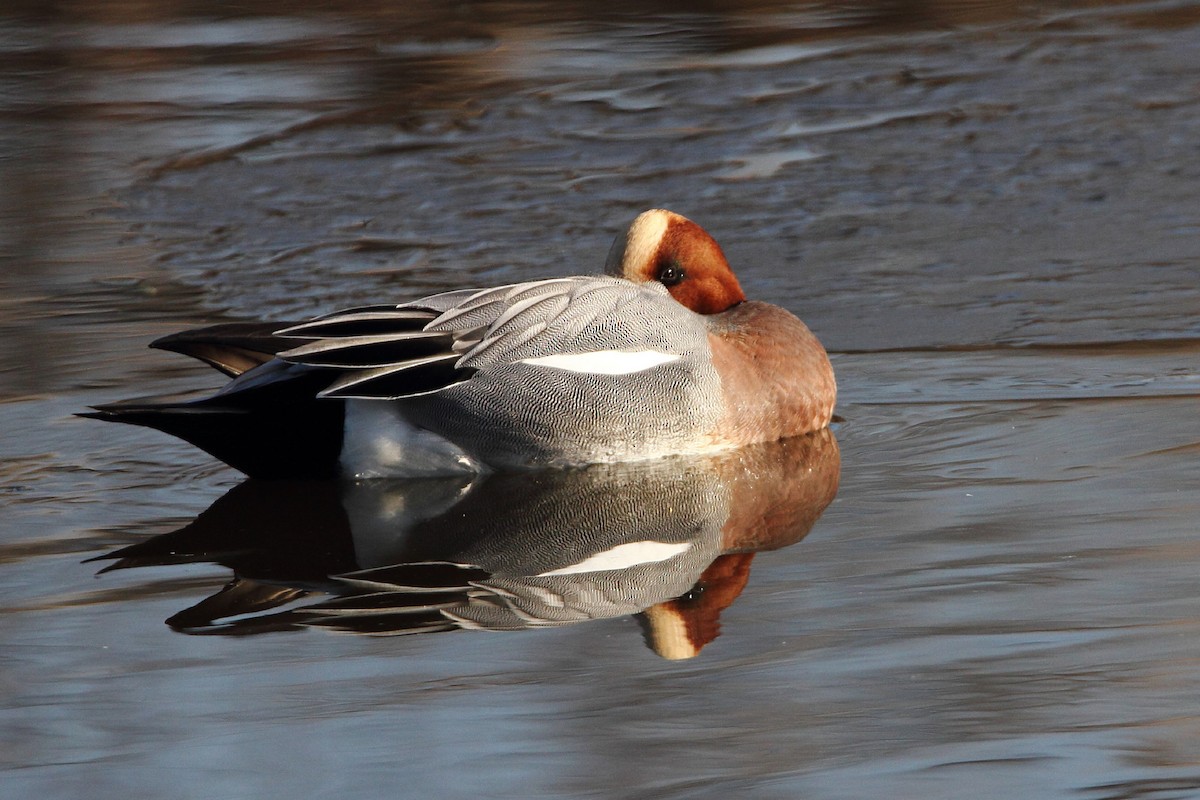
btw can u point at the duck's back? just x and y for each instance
(563, 372)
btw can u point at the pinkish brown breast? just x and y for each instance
(775, 375)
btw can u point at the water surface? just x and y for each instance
(988, 213)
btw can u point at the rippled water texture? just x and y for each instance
(990, 213)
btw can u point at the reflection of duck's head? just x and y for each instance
(673, 538)
(779, 491)
(680, 628)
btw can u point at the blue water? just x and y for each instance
(987, 213)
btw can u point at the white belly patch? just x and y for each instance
(378, 442)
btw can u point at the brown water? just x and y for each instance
(989, 213)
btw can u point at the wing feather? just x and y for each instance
(361, 322)
(410, 378)
(376, 350)
(389, 352)
(232, 348)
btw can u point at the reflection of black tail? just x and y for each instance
(267, 422)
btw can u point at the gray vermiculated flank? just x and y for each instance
(509, 411)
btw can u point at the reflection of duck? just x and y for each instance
(662, 356)
(673, 538)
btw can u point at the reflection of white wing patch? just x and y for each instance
(605, 362)
(623, 556)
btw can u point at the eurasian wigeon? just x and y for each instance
(662, 355)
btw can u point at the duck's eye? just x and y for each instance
(670, 273)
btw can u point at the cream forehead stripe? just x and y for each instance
(645, 235)
(604, 362)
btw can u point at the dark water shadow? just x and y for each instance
(671, 540)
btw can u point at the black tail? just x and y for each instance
(268, 422)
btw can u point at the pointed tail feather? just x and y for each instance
(282, 414)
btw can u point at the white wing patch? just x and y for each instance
(605, 362)
(624, 556)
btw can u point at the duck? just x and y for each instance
(660, 355)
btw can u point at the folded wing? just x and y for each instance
(389, 352)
